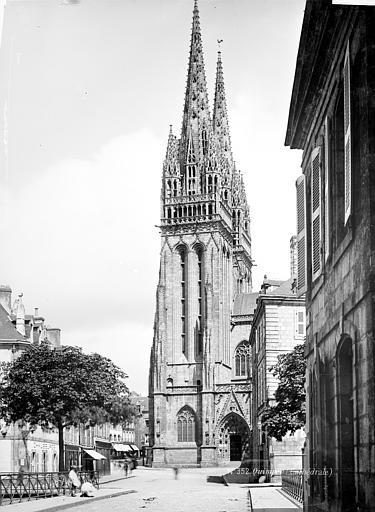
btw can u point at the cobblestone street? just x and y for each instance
(158, 491)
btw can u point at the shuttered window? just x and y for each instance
(347, 132)
(301, 235)
(316, 263)
(327, 205)
(299, 325)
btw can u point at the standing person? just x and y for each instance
(74, 480)
(126, 468)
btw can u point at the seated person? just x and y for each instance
(87, 490)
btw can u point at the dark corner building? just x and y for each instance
(332, 119)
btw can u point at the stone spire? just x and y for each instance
(171, 164)
(196, 118)
(220, 115)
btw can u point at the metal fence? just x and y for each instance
(292, 483)
(17, 487)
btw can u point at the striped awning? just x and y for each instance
(120, 447)
(134, 447)
(95, 455)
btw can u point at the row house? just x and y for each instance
(332, 119)
(36, 449)
(278, 326)
(21, 446)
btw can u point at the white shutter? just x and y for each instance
(301, 235)
(316, 260)
(327, 204)
(299, 323)
(347, 131)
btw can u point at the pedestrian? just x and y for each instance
(126, 468)
(20, 476)
(73, 480)
(175, 471)
(87, 490)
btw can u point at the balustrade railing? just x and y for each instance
(17, 487)
(292, 483)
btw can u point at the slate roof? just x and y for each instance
(244, 304)
(285, 288)
(7, 329)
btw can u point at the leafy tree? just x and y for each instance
(61, 387)
(288, 414)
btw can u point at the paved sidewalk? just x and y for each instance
(271, 499)
(155, 490)
(68, 502)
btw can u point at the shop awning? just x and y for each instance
(95, 455)
(134, 447)
(120, 447)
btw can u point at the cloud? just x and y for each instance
(270, 171)
(127, 343)
(79, 236)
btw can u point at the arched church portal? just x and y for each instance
(233, 438)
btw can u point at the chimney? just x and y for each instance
(293, 256)
(265, 285)
(20, 314)
(53, 335)
(6, 297)
(36, 312)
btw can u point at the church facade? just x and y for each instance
(199, 384)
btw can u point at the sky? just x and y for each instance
(88, 89)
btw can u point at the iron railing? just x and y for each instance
(17, 487)
(292, 483)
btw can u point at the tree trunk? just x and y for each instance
(61, 448)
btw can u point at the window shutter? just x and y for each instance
(316, 263)
(347, 130)
(327, 205)
(299, 324)
(301, 235)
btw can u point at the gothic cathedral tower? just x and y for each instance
(199, 389)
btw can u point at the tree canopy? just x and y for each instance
(60, 387)
(288, 414)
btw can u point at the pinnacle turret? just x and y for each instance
(220, 116)
(196, 123)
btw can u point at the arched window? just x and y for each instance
(169, 187)
(183, 297)
(200, 299)
(185, 426)
(240, 359)
(204, 142)
(210, 184)
(345, 422)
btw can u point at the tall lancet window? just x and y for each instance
(204, 142)
(185, 426)
(241, 359)
(200, 301)
(183, 298)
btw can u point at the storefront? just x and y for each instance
(104, 449)
(71, 456)
(94, 461)
(120, 450)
